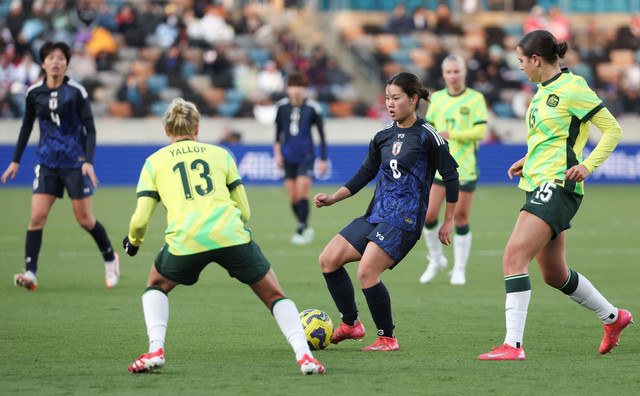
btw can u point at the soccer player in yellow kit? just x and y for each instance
(207, 208)
(459, 114)
(552, 175)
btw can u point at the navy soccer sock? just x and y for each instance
(341, 290)
(99, 234)
(32, 250)
(380, 306)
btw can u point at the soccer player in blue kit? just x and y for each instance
(405, 156)
(64, 159)
(294, 151)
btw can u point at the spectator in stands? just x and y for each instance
(629, 36)
(270, 80)
(128, 24)
(535, 20)
(214, 27)
(149, 19)
(216, 65)
(137, 94)
(630, 89)
(559, 24)
(399, 22)
(83, 66)
(444, 21)
(420, 19)
(106, 17)
(170, 64)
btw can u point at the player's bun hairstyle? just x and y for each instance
(411, 85)
(543, 44)
(47, 47)
(297, 79)
(181, 118)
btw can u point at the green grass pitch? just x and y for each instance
(73, 336)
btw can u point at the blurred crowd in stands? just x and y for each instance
(135, 57)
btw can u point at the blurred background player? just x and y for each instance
(405, 155)
(294, 150)
(64, 159)
(552, 175)
(459, 114)
(201, 189)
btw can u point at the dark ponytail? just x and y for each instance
(410, 84)
(543, 44)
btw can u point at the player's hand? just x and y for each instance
(322, 167)
(128, 247)
(87, 169)
(444, 233)
(516, 168)
(323, 199)
(12, 169)
(576, 173)
(278, 160)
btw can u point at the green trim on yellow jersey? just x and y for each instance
(558, 128)
(194, 180)
(461, 115)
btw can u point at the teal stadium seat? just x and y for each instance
(157, 83)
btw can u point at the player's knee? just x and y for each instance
(86, 222)
(366, 277)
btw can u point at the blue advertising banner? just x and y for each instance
(121, 165)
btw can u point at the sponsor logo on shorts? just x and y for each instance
(379, 236)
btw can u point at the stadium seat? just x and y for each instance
(157, 83)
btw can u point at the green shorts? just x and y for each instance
(553, 204)
(463, 185)
(243, 262)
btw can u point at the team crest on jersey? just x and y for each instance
(464, 110)
(396, 148)
(53, 101)
(553, 100)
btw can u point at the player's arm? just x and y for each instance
(23, 139)
(448, 169)
(323, 199)
(277, 145)
(323, 144)
(139, 223)
(477, 132)
(239, 196)
(612, 133)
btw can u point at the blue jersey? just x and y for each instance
(67, 132)
(293, 130)
(405, 160)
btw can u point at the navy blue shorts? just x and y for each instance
(291, 171)
(53, 181)
(395, 241)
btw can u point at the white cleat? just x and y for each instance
(434, 266)
(112, 271)
(26, 280)
(457, 277)
(309, 365)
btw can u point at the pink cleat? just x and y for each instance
(504, 352)
(148, 362)
(383, 344)
(612, 331)
(346, 332)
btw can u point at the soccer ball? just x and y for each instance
(318, 328)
